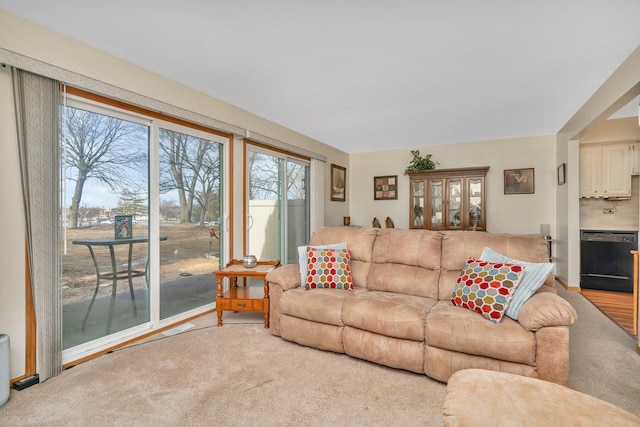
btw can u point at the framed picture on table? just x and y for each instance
(123, 226)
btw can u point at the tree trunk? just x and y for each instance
(75, 200)
(184, 208)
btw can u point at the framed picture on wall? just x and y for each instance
(519, 181)
(562, 174)
(385, 187)
(338, 183)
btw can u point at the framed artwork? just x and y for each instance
(519, 181)
(338, 183)
(562, 174)
(385, 187)
(123, 226)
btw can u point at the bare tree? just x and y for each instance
(101, 147)
(169, 209)
(133, 202)
(191, 166)
(173, 147)
(86, 215)
(265, 176)
(297, 180)
(207, 177)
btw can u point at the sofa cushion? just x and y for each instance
(440, 364)
(487, 287)
(465, 331)
(385, 350)
(312, 334)
(390, 314)
(360, 244)
(459, 246)
(321, 305)
(404, 279)
(302, 257)
(406, 262)
(535, 273)
(328, 268)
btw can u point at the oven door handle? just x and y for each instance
(606, 275)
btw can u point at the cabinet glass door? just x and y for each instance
(475, 203)
(454, 190)
(418, 197)
(436, 204)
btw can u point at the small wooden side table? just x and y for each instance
(244, 298)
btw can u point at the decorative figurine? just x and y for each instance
(375, 223)
(389, 223)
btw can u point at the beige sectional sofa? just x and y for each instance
(400, 312)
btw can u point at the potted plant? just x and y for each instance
(420, 163)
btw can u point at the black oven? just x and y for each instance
(606, 262)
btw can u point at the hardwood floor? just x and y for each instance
(616, 305)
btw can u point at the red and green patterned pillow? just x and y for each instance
(487, 287)
(328, 268)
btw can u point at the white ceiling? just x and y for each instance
(369, 75)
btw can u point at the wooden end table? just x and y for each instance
(244, 298)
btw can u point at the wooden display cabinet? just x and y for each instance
(448, 199)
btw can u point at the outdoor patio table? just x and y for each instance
(114, 275)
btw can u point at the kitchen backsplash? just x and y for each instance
(624, 218)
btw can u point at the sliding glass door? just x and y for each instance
(277, 204)
(297, 230)
(105, 202)
(142, 206)
(190, 211)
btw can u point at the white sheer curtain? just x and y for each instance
(37, 101)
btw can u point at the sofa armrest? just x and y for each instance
(546, 309)
(287, 276)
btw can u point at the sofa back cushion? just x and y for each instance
(459, 246)
(359, 243)
(406, 262)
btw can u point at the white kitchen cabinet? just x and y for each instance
(635, 158)
(590, 171)
(605, 170)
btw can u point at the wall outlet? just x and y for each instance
(608, 211)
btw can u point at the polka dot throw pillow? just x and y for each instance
(487, 287)
(328, 268)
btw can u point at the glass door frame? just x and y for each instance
(154, 255)
(154, 123)
(285, 157)
(104, 342)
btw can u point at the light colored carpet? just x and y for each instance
(603, 359)
(241, 375)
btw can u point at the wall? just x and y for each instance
(622, 130)
(521, 213)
